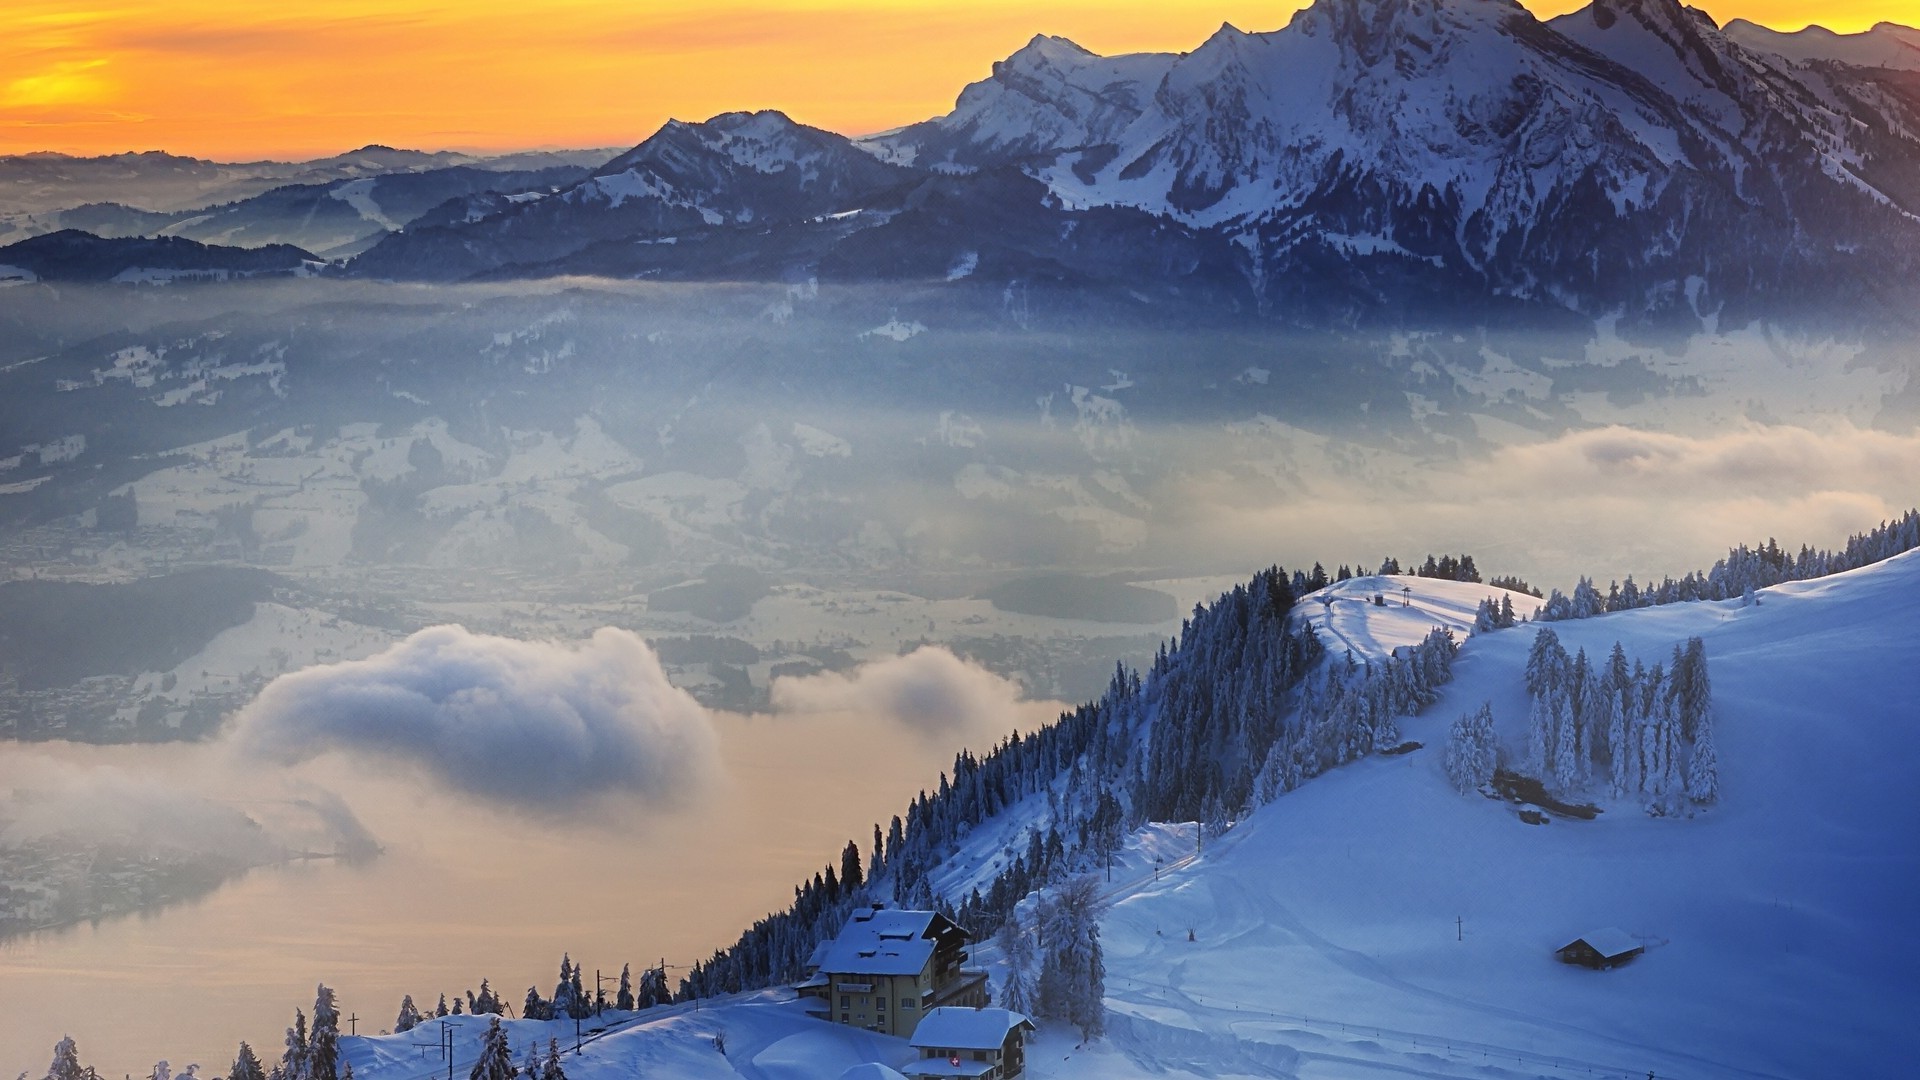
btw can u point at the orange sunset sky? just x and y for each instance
(303, 78)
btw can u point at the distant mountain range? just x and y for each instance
(1374, 160)
(335, 206)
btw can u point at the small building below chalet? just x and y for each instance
(888, 968)
(1603, 948)
(981, 1044)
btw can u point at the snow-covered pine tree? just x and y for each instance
(323, 1049)
(246, 1065)
(563, 1004)
(531, 1066)
(293, 1060)
(623, 997)
(1703, 771)
(1507, 618)
(1695, 691)
(1567, 775)
(551, 1070)
(1016, 947)
(581, 1005)
(1485, 617)
(1546, 663)
(408, 1019)
(1623, 749)
(496, 1058)
(459, 1005)
(1471, 753)
(1539, 736)
(441, 1009)
(1074, 970)
(66, 1061)
(161, 1071)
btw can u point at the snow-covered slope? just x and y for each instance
(1376, 922)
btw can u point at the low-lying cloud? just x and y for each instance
(544, 726)
(110, 805)
(929, 690)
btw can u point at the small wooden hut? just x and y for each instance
(1600, 949)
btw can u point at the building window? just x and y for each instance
(906, 1003)
(845, 1019)
(845, 1000)
(880, 1004)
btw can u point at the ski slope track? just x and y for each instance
(1375, 922)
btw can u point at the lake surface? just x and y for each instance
(463, 891)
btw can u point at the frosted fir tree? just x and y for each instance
(578, 1005)
(246, 1065)
(323, 1049)
(1623, 750)
(551, 1070)
(1694, 690)
(1471, 752)
(408, 1019)
(1546, 663)
(293, 1060)
(1703, 770)
(1485, 617)
(1539, 737)
(441, 1009)
(531, 1067)
(1568, 776)
(486, 1001)
(563, 1004)
(1074, 971)
(1507, 618)
(535, 1007)
(66, 1061)
(458, 1005)
(161, 1071)
(1016, 947)
(496, 1059)
(623, 998)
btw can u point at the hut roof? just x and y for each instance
(1608, 941)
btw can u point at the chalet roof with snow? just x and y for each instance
(887, 941)
(1610, 942)
(953, 1028)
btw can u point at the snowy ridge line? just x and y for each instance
(1744, 570)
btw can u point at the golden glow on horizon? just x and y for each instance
(300, 78)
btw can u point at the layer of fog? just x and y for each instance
(471, 885)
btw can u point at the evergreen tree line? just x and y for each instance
(1744, 570)
(1225, 718)
(1444, 568)
(1647, 732)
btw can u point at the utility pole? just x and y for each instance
(446, 1045)
(599, 995)
(353, 1025)
(1459, 929)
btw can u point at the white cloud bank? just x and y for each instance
(929, 690)
(545, 726)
